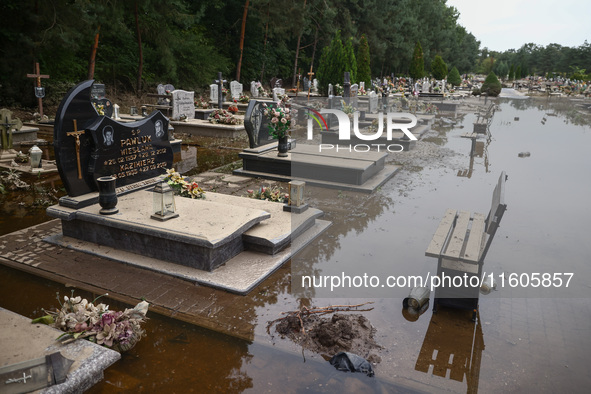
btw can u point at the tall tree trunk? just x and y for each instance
(93, 49)
(265, 45)
(242, 40)
(141, 53)
(297, 54)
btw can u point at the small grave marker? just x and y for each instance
(39, 90)
(183, 105)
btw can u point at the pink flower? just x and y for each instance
(283, 120)
(274, 120)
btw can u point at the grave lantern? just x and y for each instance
(296, 197)
(296, 193)
(35, 155)
(164, 207)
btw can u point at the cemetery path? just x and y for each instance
(206, 307)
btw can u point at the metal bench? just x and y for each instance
(460, 244)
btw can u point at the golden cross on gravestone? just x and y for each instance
(310, 74)
(38, 77)
(77, 133)
(7, 126)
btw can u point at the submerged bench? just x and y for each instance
(460, 244)
(483, 119)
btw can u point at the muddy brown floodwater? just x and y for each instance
(526, 339)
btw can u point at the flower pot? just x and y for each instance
(282, 146)
(107, 195)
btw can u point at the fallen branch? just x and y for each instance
(306, 312)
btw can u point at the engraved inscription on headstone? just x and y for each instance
(235, 89)
(100, 146)
(183, 105)
(213, 92)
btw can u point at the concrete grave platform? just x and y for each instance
(222, 241)
(22, 341)
(204, 128)
(337, 169)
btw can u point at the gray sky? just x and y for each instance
(504, 24)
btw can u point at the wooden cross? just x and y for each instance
(38, 77)
(299, 75)
(310, 74)
(76, 133)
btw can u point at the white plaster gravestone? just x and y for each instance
(330, 90)
(213, 92)
(183, 105)
(354, 91)
(373, 102)
(254, 90)
(315, 86)
(235, 89)
(278, 92)
(426, 86)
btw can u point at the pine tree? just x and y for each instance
(332, 64)
(417, 66)
(438, 67)
(363, 66)
(491, 85)
(454, 77)
(512, 73)
(350, 60)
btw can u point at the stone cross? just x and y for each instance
(254, 91)
(220, 83)
(7, 126)
(77, 133)
(38, 87)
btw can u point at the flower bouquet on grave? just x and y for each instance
(269, 194)
(100, 109)
(79, 319)
(262, 91)
(338, 88)
(233, 108)
(221, 116)
(182, 187)
(279, 117)
(361, 91)
(202, 103)
(243, 99)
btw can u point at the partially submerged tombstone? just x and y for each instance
(88, 146)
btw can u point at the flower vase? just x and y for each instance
(282, 146)
(107, 195)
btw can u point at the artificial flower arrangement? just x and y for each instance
(79, 319)
(202, 103)
(269, 194)
(338, 89)
(100, 108)
(243, 99)
(182, 187)
(361, 91)
(279, 117)
(222, 116)
(233, 108)
(262, 91)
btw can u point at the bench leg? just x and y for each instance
(474, 314)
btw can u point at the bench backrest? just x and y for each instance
(497, 209)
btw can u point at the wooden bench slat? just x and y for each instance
(475, 239)
(454, 246)
(435, 248)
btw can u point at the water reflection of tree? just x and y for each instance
(566, 108)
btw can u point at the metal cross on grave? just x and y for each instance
(220, 83)
(7, 125)
(77, 133)
(310, 75)
(39, 91)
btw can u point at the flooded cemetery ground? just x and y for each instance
(526, 338)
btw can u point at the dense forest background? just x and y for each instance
(140, 43)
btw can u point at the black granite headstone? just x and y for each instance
(255, 123)
(98, 91)
(132, 152)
